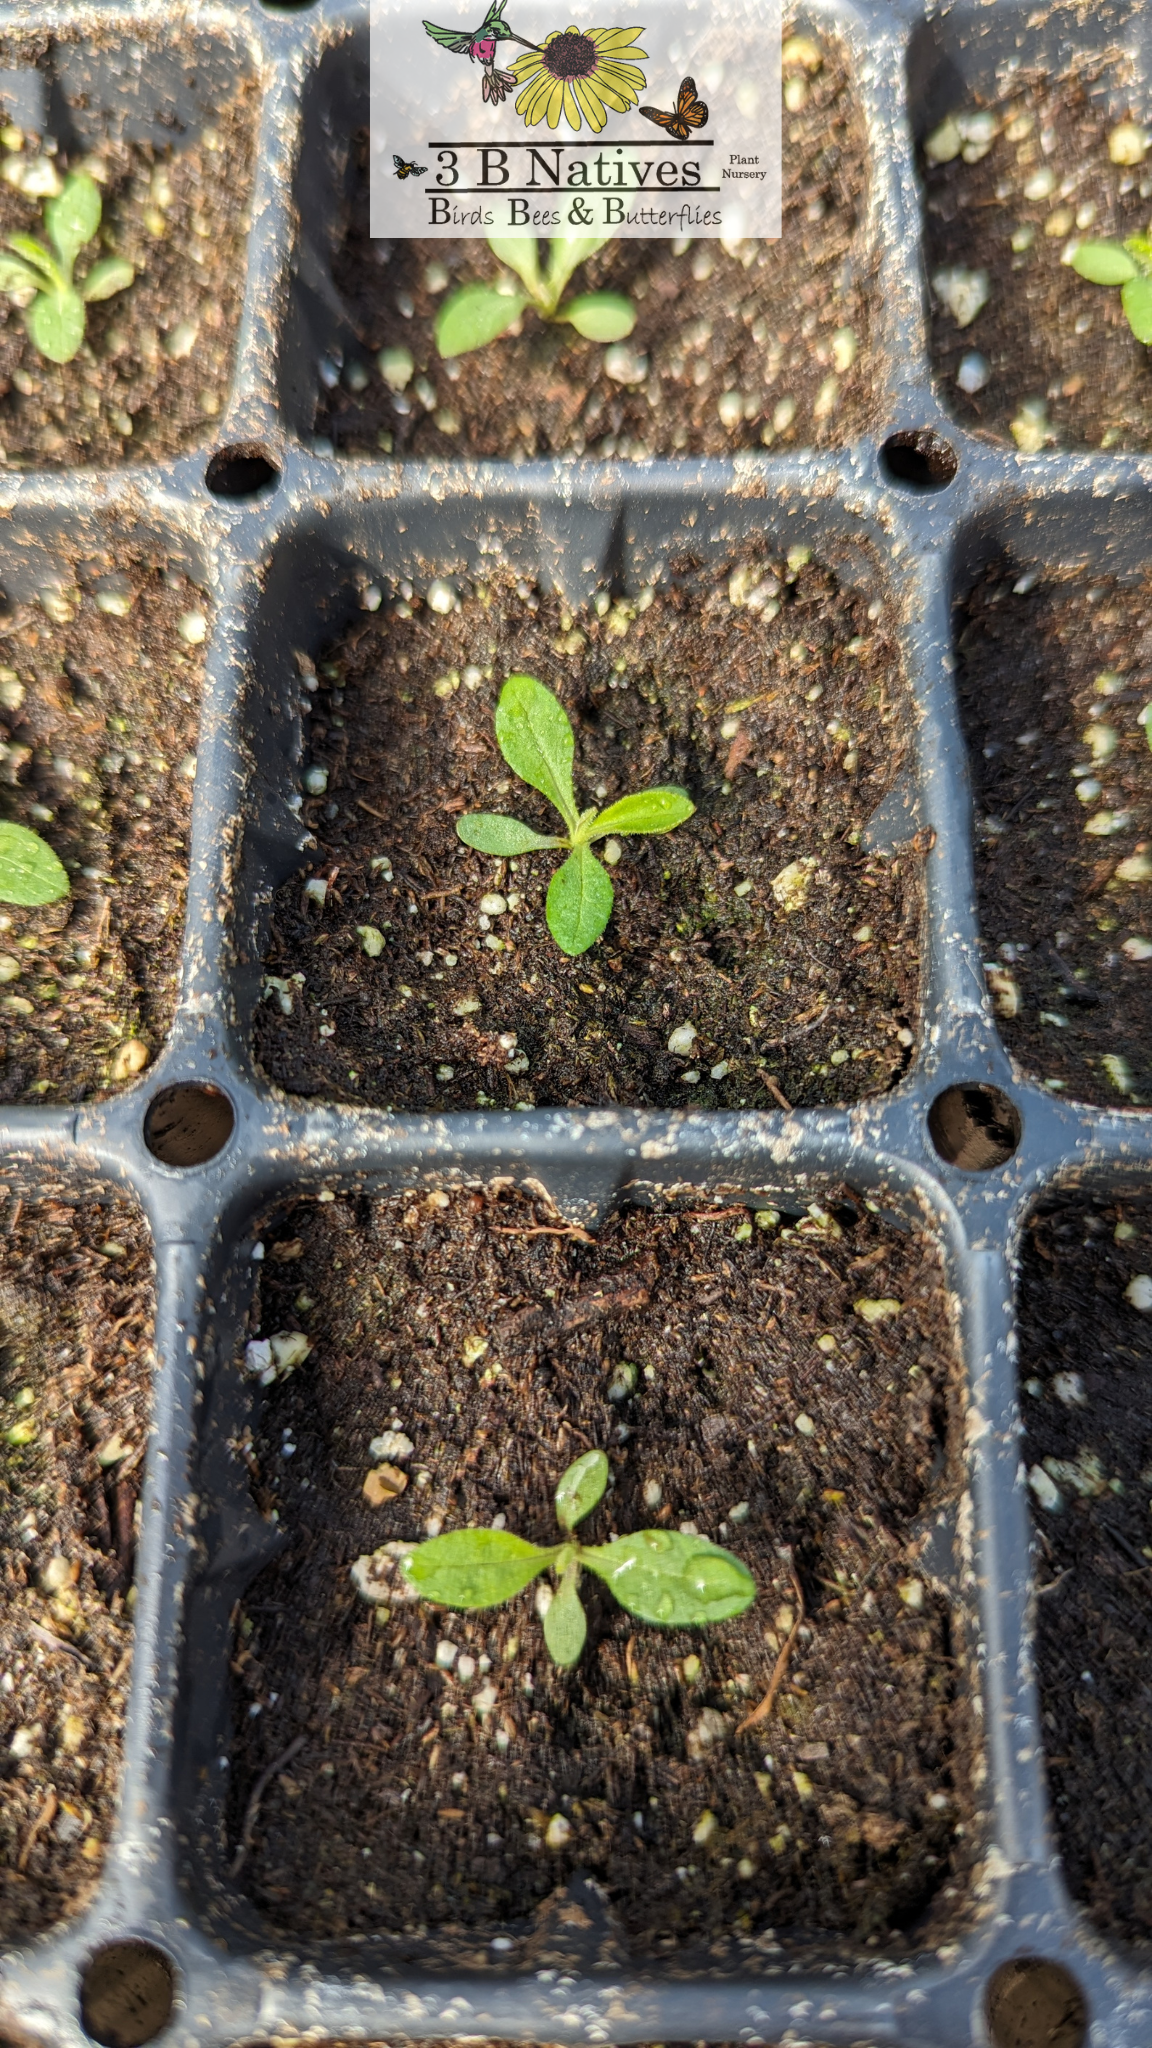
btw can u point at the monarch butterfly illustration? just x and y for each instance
(404, 170)
(690, 113)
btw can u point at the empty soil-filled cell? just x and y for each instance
(1085, 1354)
(756, 954)
(1042, 355)
(99, 701)
(787, 1391)
(155, 366)
(1054, 676)
(76, 1309)
(768, 343)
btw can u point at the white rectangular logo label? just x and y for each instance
(515, 122)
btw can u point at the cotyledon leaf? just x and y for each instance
(488, 832)
(675, 1580)
(475, 1567)
(30, 873)
(1104, 263)
(474, 316)
(581, 1488)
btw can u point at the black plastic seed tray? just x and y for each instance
(287, 540)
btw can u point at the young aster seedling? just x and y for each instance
(480, 313)
(659, 1575)
(535, 738)
(30, 873)
(40, 279)
(1129, 265)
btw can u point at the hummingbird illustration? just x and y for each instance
(480, 43)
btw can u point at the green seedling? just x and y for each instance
(40, 278)
(30, 873)
(659, 1575)
(1129, 265)
(480, 313)
(535, 737)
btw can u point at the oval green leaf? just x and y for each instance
(1136, 299)
(505, 837)
(579, 902)
(474, 316)
(112, 274)
(474, 1567)
(673, 1580)
(1103, 263)
(650, 810)
(55, 323)
(565, 1624)
(73, 217)
(521, 254)
(600, 316)
(535, 738)
(581, 1488)
(29, 870)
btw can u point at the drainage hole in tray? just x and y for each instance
(974, 1126)
(126, 1994)
(241, 473)
(921, 458)
(1035, 2004)
(188, 1124)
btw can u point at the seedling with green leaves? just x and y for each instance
(535, 737)
(480, 313)
(40, 278)
(30, 873)
(1129, 265)
(660, 1575)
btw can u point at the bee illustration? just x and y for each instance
(404, 170)
(690, 113)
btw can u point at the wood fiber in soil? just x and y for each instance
(1045, 332)
(1054, 914)
(189, 258)
(823, 1000)
(1094, 1638)
(419, 1797)
(103, 740)
(760, 322)
(76, 1310)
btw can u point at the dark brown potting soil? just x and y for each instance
(760, 323)
(787, 732)
(98, 722)
(76, 1308)
(1085, 1353)
(731, 1376)
(156, 365)
(1064, 931)
(1046, 334)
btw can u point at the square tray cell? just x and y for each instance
(1033, 103)
(76, 1309)
(763, 925)
(778, 331)
(1054, 675)
(789, 1390)
(167, 129)
(100, 677)
(1085, 1352)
